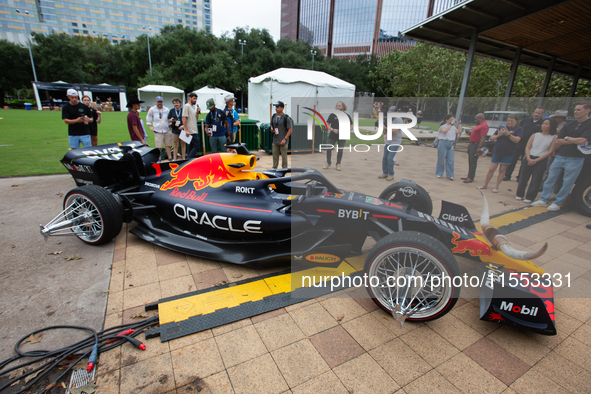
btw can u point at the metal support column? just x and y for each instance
(573, 88)
(546, 82)
(467, 71)
(511, 78)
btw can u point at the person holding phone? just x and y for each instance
(77, 116)
(445, 148)
(507, 137)
(175, 119)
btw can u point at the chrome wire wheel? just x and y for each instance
(99, 214)
(91, 229)
(410, 275)
(405, 277)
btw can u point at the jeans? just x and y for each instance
(76, 140)
(194, 146)
(472, 159)
(572, 167)
(338, 145)
(388, 158)
(280, 149)
(536, 172)
(445, 158)
(220, 141)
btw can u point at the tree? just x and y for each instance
(14, 63)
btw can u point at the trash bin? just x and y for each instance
(298, 142)
(266, 138)
(249, 134)
(28, 106)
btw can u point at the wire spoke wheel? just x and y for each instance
(91, 228)
(411, 276)
(101, 213)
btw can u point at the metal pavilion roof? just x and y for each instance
(545, 30)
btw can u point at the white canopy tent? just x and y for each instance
(148, 94)
(205, 93)
(59, 89)
(297, 89)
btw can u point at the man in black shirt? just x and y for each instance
(569, 158)
(95, 119)
(530, 125)
(77, 116)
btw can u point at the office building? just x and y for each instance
(347, 28)
(115, 20)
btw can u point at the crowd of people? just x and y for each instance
(548, 148)
(175, 129)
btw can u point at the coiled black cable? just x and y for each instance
(81, 349)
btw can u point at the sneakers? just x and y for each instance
(338, 166)
(390, 178)
(527, 201)
(327, 165)
(438, 176)
(518, 198)
(383, 176)
(451, 178)
(539, 203)
(553, 207)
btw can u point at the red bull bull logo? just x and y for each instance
(206, 171)
(475, 246)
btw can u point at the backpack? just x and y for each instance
(284, 119)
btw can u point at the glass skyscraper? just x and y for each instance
(352, 27)
(114, 20)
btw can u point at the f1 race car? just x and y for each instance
(219, 207)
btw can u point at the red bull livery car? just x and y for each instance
(220, 207)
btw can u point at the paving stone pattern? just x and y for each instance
(346, 344)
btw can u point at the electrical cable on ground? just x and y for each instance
(90, 347)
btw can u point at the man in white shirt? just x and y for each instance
(190, 123)
(157, 120)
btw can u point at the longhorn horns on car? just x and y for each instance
(499, 241)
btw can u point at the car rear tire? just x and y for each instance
(581, 197)
(422, 204)
(107, 214)
(411, 254)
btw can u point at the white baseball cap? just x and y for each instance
(72, 92)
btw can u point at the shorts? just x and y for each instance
(76, 140)
(163, 139)
(176, 131)
(500, 159)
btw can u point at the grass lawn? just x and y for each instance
(33, 142)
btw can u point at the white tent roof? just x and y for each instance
(207, 89)
(206, 93)
(160, 89)
(298, 89)
(292, 75)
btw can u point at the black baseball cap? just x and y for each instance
(132, 101)
(279, 104)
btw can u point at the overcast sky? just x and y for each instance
(260, 14)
